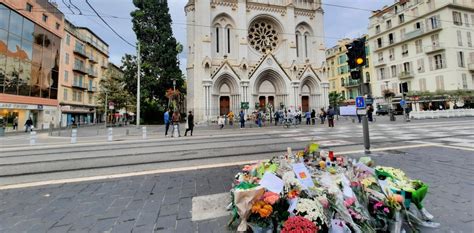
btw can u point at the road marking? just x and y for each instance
(210, 206)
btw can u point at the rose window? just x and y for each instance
(263, 36)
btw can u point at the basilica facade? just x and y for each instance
(264, 54)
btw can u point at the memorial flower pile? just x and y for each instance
(316, 191)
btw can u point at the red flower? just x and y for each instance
(298, 224)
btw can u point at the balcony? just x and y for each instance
(413, 34)
(379, 62)
(79, 68)
(434, 48)
(92, 73)
(405, 75)
(92, 89)
(351, 83)
(79, 85)
(92, 59)
(80, 51)
(470, 66)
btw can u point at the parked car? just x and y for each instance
(381, 110)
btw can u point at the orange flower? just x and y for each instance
(262, 208)
(293, 193)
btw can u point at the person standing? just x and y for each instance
(330, 115)
(308, 118)
(15, 123)
(221, 122)
(176, 118)
(231, 116)
(322, 115)
(259, 118)
(29, 125)
(370, 111)
(277, 117)
(242, 119)
(167, 121)
(313, 117)
(189, 124)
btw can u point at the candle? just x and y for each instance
(322, 164)
(331, 155)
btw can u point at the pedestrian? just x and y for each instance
(242, 119)
(231, 116)
(221, 122)
(359, 118)
(322, 115)
(277, 117)
(15, 123)
(29, 125)
(167, 121)
(175, 118)
(189, 123)
(308, 117)
(259, 118)
(313, 117)
(370, 111)
(330, 116)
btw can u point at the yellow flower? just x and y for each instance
(368, 181)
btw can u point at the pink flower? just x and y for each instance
(247, 168)
(270, 197)
(386, 210)
(378, 205)
(324, 202)
(349, 201)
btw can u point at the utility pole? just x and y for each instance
(138, 85)
(105, 110)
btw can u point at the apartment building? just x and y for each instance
(338, 72)
(427, 44)
(84, 58)
(30, 40)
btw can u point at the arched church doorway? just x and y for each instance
(224, 105)
(270, 91)
(305, 103)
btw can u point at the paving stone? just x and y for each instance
(166, 222)
(169, 210)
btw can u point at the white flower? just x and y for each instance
(310, 209)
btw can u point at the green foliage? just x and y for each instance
(113, 85)
(335, 99)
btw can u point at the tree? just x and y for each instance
(113, 87)
(159, 49)
(335, 99)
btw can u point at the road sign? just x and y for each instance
(360, 102)
(244, 105)
(369, 101)
(111, 105)
(403, 103)
(361, 112)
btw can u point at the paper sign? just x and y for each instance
(272, 183)
(292, 203)
(346, 188)
(303, 175)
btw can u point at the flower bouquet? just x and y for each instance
(298, 224)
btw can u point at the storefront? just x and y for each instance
(41, 115)
(78, 115)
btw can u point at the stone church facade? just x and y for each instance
(268, 53)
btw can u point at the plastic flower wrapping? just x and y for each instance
(317, 191)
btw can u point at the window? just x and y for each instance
(217, 40)
(422, 83)
(434, 22)
(29, 7)
(68, 39)
(404, 50)
(65, 95)
(401, 18)
(421, 65)
(306, 45)
(439, 61)
(407, 67)
(402, 33)
(377, 29)
(393, 70)
(367, 77)
(66, 59)
(417, 25)
(90, 98)
(228, 40)
(419, 46)
(298, 48)
(58, 26)
(391, 54)
(391, 39)
(389, 24)
(469, 39)
(459, 38)
(464, 81)
(457, 18)
(379, 43)
(66, 76)
(380, 56)
(382, 73)
(435, 40)
(45, 18)
(414, 12)
(460, 59)
(440, 82)
(466, 20)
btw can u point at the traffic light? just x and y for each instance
(404, 87)
(356, 56)
(355, 75)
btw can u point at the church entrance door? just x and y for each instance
(305, 103)
(224, 105)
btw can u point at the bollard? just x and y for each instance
(110, 135)
(32, 138)
(144, 132)
(74, 136)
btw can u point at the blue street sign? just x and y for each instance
(369, 101)
(403, 103)
(360, 102)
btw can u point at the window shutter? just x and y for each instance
(431, 63)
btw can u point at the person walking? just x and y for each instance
(277, 117)
(167, 121)
(370, 111)
(308, 118)
(242, 119)
(259, 118)
(189, 124)
(15, 123)
(313, 117)
(221, 121)
(322, 115)
(231, 116)
(29, 125)
(330, 115)
(176, 118)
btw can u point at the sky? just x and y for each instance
(339, 22)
